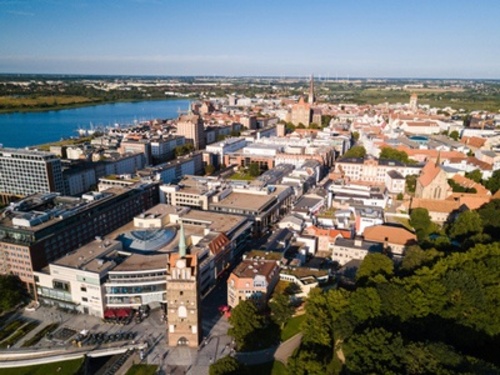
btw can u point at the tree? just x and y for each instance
(281, 309)
(467, 224)
(375, 351)
(226, 366)
(374, 264)
(454, 135)
(493, 183)
(421, 221)
(389, 153)
(411, 183)
(12, 292)
(355, 152)
(293, 288)
(475, 175)
(209, 169)
(254, 169)
(416, 258)
(246, 322)
(355, 136)
(325, 120)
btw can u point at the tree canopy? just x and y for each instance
(12, 292)
(421, 221)
(389, 153)
(355, 152)
(441, 318)
(245, 321)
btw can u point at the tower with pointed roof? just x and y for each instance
(312, 98)
(183, 299)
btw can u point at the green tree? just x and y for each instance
(415, 258)
(325, 120)
(12, 292)
(475, 175)
(209, 169)
(421, 221)
(375, 351)
(226, 366)
(254, 169)
(355, 136)
(493, 183)
(411, 183)
(281, 309)
(355, 152)
(467, 224)
(454, 135)
(374, 265)
(389, 153)
(246, 321)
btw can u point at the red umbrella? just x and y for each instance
(122, 313)
(109, 313)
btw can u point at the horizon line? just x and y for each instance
(323, 78)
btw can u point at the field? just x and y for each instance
(142, 370)
(40, 103)
(292, 327)
(59, 368)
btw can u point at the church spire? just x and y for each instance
(182, 242)
(311, 90)
(438, 160)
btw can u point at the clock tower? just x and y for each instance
(183, 300)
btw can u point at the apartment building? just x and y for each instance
(25, 172)
(252, 280)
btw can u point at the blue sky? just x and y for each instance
(356, 38)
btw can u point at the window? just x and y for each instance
(85, 299)
(83, 289)
(181, 292)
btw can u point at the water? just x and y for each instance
(34, 128)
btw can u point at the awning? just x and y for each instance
(109, 313)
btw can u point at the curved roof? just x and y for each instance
(148, 239)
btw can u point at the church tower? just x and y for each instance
(414, 102)
(183, 299)
(311, 99)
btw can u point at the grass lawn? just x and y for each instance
(141, 370)
(67, 368)
(292, 327)
(242, 176)
(270, 368)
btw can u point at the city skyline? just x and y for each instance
(451, 39)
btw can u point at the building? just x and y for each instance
(432, 182)
(191, 127)
(345, 250)
(73, 283)
(163, 148)
(26, 172)
(372, 170)
(395, 182)
(395, 239)
(135, 146)
(174, 170)
(183, 311)
(301, 113)
(191, 191)
(252, 280)
(44, 227)
(414, 102)
(264, 206)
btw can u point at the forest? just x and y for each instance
(436, 312)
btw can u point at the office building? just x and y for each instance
(26, 172)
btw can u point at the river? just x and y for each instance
(21, 129)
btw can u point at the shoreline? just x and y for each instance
(82, 105)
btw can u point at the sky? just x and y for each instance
(330, 38)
